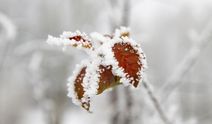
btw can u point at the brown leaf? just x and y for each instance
(107, 79)
(79, 89)
(128, 59)
(85, 43)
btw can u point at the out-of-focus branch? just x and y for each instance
(114, 104)
(7, 36)
(128, 95)
(126, 13)
(8, 26)
(155, 102)
(129, 104)
(129, 99)
(51, 107)
(38, 87)
(124, 22)
(186, 64)
(113, 16)
(114, 94)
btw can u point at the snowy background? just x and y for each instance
(176, 36)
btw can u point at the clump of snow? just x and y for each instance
(123, 31)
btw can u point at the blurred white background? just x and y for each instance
(176, 36)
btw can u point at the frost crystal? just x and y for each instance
(76, 39)
(114, 59)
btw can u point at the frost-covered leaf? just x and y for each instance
(114, 59)
(128, 59)
(76, 88)
(75, 39)
(107, 79)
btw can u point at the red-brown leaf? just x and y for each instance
(128, 59)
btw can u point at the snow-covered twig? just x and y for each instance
(129, 97)
(38, 87)
(114, 15)
(129, 106)
(124, 22)
(126, 13)
(114, 94)
(155, 102)
(186, 64)
(71, 39)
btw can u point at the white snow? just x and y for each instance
(100, 54)
(64, 40)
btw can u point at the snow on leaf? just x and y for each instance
(122, 32)
(128, 59)
(114, 59)
(75, 39)
(79, 89)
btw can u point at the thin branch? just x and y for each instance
(124, 22)
(128, 95)
(129, 104)
(113, 23)
(126, 13)
(114, 101)
(114, 94)
(186, 64)
(10, 33)
(38, 87)
(8, 26)
(155, 102)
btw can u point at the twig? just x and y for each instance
(126, 13)
(155, 102)
(38, 87)
(114, 101)
(129, 105)
(114, 94)
(186, 64)
(128, 96)
(8, 26)
(125, 22)
(10, 33)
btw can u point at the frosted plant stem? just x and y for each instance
(126, 13)
(129, 105)
(114, 101)
(155, 102)
(129, 97)
(113, 23)
(114, 94)
(186, 64)
(125, 22)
